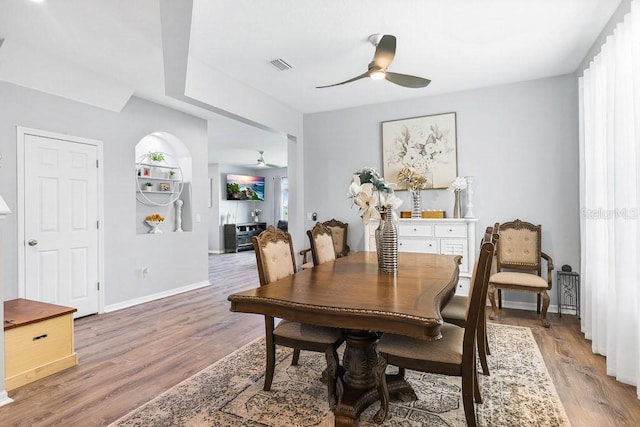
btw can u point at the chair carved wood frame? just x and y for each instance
(519, 252)
(276, 260)
(338, 234)
(322, 244)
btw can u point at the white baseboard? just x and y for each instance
(216, 252)
(553, 308)
(153, 297)
(4, 398)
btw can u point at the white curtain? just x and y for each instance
(609, 185)
(279, 184)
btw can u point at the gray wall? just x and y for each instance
(174, 259)
(519, 141)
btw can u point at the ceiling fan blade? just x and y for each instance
(385, 51)
(361, 76)
(406, 80)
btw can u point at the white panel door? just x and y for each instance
(61, 223)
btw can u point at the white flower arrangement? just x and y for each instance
(458, 184)
(256, 212)
(372, 194)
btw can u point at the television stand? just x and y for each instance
(237, 237)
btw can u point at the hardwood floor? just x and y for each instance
(130, 356)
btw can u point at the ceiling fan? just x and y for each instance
(262, 163)
(377, 69)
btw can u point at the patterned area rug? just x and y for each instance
(519, 392)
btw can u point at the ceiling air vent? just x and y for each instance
(281, 64)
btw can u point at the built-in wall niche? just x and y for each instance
(163, 176)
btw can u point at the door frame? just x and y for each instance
(21, 133)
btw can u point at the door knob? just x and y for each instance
(32, 242)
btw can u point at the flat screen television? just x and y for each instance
(245, 187)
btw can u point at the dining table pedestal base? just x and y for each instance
(356, 387)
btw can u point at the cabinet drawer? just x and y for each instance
(451, 230)
(426, 246)
(456, 247)
(37, 344)
(415, 230)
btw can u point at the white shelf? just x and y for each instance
(158, 192)
(150, 197)
(155, 178)
(155, 165)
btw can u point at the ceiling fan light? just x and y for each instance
(377, 75)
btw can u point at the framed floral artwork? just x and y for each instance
(427, 144)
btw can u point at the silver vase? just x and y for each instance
(456, 206)
(389, 242)
(378, 235)
(416, 211)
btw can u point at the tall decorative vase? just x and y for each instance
(378, 235)
(469, 208)
(456, 206)
(416, 210)
(389, 240)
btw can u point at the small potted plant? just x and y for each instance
(172, 174)
(256, 214)
(147, 186)
(156, 157)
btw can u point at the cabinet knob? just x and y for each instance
(415, 229)
(450, 230)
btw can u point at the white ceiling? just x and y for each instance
(103, 51)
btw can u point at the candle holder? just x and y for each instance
(469, 208)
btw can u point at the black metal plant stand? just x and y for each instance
(568, 285)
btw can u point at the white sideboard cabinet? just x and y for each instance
(439, 236)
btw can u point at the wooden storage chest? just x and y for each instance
(38, 341)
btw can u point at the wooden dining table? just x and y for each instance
(352, 294)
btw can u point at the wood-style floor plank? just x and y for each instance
(130, 356)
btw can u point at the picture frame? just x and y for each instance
(146, 171)
(427, 144)
(165, 186)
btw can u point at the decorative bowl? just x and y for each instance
(154, 226)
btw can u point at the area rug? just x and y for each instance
(519, 392)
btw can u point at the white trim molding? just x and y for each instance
(153, 297)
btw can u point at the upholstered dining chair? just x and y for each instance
(456, 310)
(338, 234)
(276, 260)
(454, 354)
(519, 265)
(322, 248)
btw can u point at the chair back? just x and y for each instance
(490, 235)
(274, 255)
(339, 234)
(478, 292)
(519, 247)
(322, 245)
